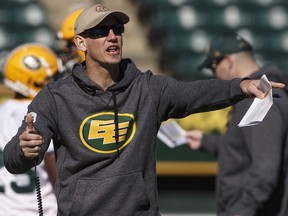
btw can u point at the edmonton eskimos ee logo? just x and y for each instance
(97, 132)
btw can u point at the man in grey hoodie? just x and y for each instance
(105, 117)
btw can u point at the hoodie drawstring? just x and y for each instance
(91, 90)
(116, 122)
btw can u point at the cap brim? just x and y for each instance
(120, 16)
(89, 19)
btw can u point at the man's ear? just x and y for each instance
(80, 42)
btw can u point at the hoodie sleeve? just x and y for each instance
(177, 99)
(210, 143)
(43, 106)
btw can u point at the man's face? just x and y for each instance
(105, 49)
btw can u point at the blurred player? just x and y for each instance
(252, 179)
(27, 69)
(69, 53)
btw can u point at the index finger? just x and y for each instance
(277, 84)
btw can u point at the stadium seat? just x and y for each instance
(23, 21)
(23, 15)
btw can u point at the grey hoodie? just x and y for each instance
(105, 140)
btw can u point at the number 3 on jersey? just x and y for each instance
(22, 183)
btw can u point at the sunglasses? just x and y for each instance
(103, 31)
(215, 63)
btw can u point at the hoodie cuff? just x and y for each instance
(236, 92)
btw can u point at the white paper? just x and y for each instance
(172, 134)
(259, 108)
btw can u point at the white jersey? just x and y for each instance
(18, 192)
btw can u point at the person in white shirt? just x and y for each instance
(27, 69)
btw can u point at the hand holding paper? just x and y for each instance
(259, 108)
(171, 134)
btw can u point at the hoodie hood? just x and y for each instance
(127, 68)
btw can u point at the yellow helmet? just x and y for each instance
(66, 33)
(29, 67)
(67, 29)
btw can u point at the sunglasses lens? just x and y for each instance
(118, 29)
(103, 31)
(99, 32)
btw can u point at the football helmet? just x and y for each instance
(66, 33)
(29, 67)
(67, 28)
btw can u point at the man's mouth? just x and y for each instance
(113, 50)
